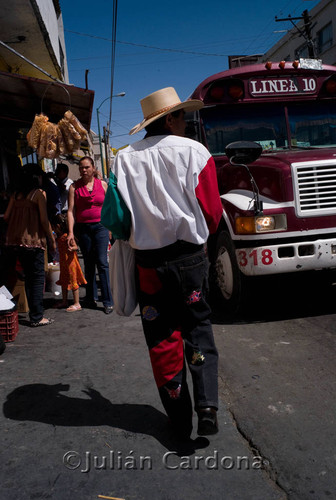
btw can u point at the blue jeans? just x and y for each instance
(93, 240)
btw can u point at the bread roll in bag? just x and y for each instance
(48, 147)
(34, 134)
(76, 123)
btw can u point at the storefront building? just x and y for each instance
(33, 79)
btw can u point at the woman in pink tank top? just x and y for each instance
(86, 198)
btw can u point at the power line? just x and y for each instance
(163, 49)
(146, 63)
(226, 42)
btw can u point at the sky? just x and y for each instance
(162, 44)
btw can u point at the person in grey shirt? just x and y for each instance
(63, 183)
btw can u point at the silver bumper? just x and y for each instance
(287, 258)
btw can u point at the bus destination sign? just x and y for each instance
(261, 87)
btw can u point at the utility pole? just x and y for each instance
(108, 149)
(306, 33)
(307, 26)
(107, 163)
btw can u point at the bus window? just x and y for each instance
(192, 128)
(313, 124)
(265, 124)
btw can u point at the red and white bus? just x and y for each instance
(290, 110)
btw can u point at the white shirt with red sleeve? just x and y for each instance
(169, 184)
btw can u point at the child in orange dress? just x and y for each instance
(71, 274)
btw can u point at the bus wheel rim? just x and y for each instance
(224, 273)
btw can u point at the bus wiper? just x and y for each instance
(275, 150)
(302, 147)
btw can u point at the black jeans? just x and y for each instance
(32, 262)
(172, 285)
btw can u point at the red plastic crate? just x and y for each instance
(9, 325)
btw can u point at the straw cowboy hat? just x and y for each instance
(161, 103)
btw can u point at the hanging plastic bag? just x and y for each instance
(115, 215)
(122, 277)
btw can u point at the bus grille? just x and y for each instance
(315, 188)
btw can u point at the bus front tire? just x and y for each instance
(226, 279)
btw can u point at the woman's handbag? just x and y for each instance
(122, 277)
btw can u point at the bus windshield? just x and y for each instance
(312, 124)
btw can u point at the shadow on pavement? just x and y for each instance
(45, 403)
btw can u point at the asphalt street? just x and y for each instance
(81, 417)
(278, 367)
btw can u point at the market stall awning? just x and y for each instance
(23, 97)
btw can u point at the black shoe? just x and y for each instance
(207, 421)
(47, 321)
(108, 309)
(181, 430)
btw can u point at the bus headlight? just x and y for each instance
(261, 224)
(265, 224)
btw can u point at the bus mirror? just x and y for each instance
(244, 152)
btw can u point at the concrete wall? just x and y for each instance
(34, 28)
(54, 27)
(62, 42)
(48, 14)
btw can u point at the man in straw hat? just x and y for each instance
(168, 183)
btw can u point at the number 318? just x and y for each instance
(266, 257)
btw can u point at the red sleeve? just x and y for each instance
(208, 195)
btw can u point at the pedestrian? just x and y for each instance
(27, 234)
(168, 182)
(48, 185)
(63, 182)
(71, 274)
(86, 197)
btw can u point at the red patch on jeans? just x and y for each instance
(149, 280)
(167, 358)
(194, 297)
